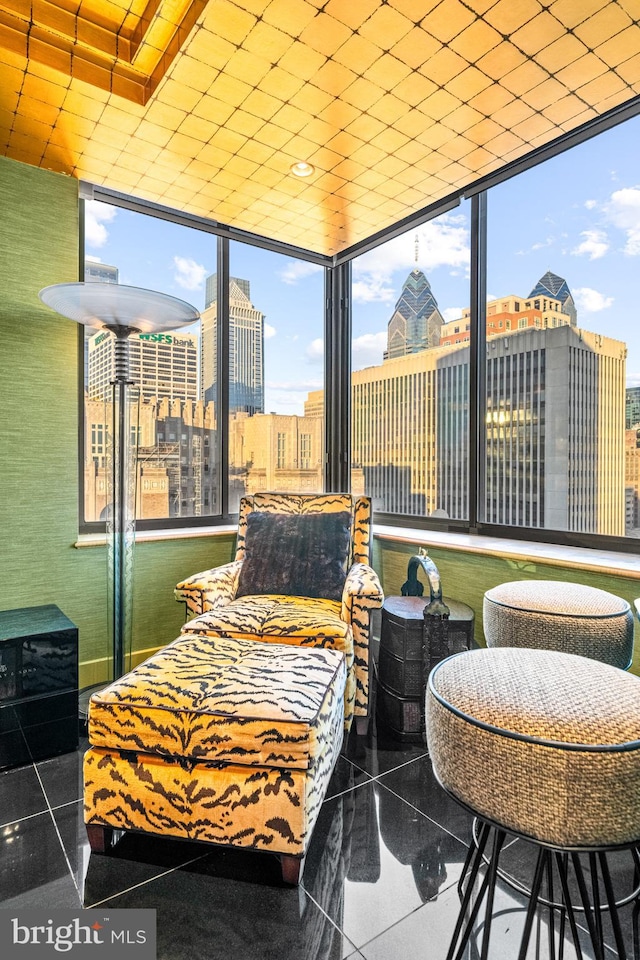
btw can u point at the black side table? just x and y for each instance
(38, 684)
(410, 647)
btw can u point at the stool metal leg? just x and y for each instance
(562, 866)
(615, 919)
(584, 895)
(595, 894)
(533, 901)
(498, 840)
(596, 897)
(474, 865)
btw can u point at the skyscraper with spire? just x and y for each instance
(555, 287)
(416, 320)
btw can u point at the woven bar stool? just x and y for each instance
(552, 615)
(546, 746)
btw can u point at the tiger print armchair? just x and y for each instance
(301, 575)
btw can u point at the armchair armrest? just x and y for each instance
(362, 593)
(209, 589)
(362, 583)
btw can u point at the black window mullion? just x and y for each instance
(477, 359)
(337, 388)
(222, 362)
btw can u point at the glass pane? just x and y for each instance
(276, 373)
(410, 358)
(176, 432)
(563, 353)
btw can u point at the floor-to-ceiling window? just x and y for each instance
(176, 431)
(276, 372)
(558, 373)
(271, 358)
(562, 351)
(410, 380)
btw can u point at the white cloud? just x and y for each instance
(590, 204)
(294, 386)
(591, 301)
(373, 288)
(188, 273)
(91, 259)
(269, 331)
(297, 270)
(624, 212)
(367, 349)
(594, 245)
(96, 215)
(289, 397)
(451, 313)
(443, 242)
(315, 350)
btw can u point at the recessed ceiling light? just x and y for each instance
(302, 169)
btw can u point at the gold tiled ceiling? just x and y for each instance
(203, 105)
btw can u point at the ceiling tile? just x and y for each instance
(397, 104)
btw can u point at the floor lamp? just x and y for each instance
(122, 311)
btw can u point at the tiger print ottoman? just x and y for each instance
(224, 740)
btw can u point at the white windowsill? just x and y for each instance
(148, 536)
(599, 561)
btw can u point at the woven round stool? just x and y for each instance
(552, 615)
(544, 745)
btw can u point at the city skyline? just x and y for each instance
(578, 215)
(546, 379)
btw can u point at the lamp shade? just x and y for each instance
(112, 305)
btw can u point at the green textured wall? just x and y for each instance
(39, 400)
(39, 438)
(466, 577)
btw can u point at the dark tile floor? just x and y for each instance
(379, 882)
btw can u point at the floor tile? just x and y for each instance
(133, 861)
(378, 751)
(379, 882)
(20, 794)
(415, 782)
(346, 776)
(390, 855)
(62, 776)
(34, 871)
(205, 916)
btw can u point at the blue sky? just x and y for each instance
(577, 215)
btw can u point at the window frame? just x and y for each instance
(337, 332)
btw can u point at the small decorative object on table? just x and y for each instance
(414, 637)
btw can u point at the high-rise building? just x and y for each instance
(632, 481)
(507, 315)
(554, 428)
(416, 321)
(273, 451)
(177, 459)
(556, 288)
(632, 408)
(161, 364)
(246, 348)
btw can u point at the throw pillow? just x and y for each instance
(298, 555)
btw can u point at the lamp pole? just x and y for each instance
(123, 311)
